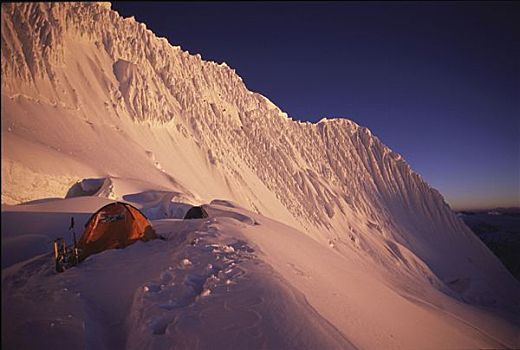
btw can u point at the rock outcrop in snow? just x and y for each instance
(87, 93)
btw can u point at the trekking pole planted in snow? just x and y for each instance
(75, 251)
(71, 227)
(55, 245)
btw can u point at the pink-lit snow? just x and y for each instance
(318, 237)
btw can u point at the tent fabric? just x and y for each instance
(115, 225)
(196, 213)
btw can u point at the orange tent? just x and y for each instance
(116, 225)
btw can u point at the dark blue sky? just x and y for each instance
(437, 82)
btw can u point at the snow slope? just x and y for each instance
(96, 105)
(234, 280)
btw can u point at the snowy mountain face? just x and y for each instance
(87, 94)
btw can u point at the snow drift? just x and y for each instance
(95, 107)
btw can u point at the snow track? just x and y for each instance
(224, 296)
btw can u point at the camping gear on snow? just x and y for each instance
(64, 257)
(116, 225)
(196, 213)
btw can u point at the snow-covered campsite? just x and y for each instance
(318, 236)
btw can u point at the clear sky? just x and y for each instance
(437, 82)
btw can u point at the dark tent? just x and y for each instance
(115, 225)
(196, 213)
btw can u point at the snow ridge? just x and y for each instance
(106, 75)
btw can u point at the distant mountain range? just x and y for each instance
(511, 211)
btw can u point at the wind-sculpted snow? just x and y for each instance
(316, 171)
(123, 102)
